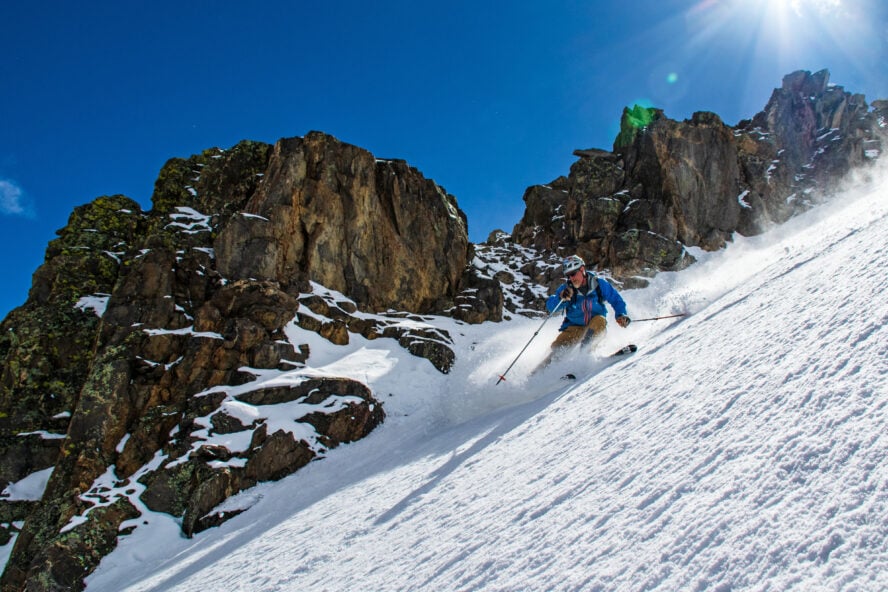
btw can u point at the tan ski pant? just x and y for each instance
(573, 335)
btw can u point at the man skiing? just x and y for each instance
(582, 299)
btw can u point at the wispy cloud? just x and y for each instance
(12, 200)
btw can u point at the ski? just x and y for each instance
(627, 349)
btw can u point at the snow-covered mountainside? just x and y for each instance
(742, 448)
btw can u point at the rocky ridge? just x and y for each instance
(668, 185)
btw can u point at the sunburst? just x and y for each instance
(794, 34)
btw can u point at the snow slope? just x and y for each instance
(742, 448)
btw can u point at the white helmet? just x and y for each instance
(571, 264)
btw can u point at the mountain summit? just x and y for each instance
(669, 185)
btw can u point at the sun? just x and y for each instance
(737, 51)
(751, 44)
(792, 32)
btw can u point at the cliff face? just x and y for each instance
(140, 353)
(377, 231)
(668, 185)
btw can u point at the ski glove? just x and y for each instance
(567, 293)
(623, 321)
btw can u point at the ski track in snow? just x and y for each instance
(742, 448)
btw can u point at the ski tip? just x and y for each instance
(628, 349)
(568, 377)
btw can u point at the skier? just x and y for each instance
(582, 299)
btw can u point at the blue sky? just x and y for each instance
(486, 98)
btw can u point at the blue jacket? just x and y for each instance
(582, 307)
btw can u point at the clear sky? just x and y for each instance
(486, 98)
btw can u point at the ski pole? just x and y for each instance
(684, 314)
(502, 376)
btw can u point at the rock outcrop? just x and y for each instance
(375, 230)
(669, 185)
(138, 369)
